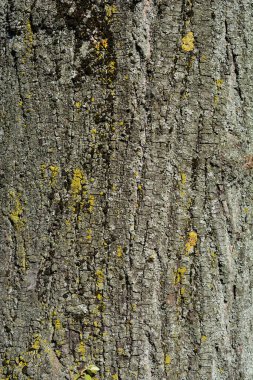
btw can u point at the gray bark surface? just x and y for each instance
(126, 189)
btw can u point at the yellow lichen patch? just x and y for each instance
(104, 43)
(203, 338)
(167, 359)
(100, 279)
(139, 187)
(58, 353)
(78, 180)
(37, 343)
(81, 349)
(119, 251)
(219, 83)
(182, 291)
(111, 67)
(101, 45)
(17, 212)
(29, 35)
(43, 168)
(91, 202)
(110, 10)
(179, 275)
(76, 189)
(99, 296)
(28, 40)
(182, 183)
(115, 376)
(96, 324)
(22, 362)
(89, 235)
(183, 178)
(57, 324)
(191, 242)
(133, 306)
(54, 173)
(188, 42)
(213, 256)
(121, 351)
(78, 105)
(216, 99)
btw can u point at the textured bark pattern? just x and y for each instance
(126, 158)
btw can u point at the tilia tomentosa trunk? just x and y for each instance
(126, 157)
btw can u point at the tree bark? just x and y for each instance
(126, 189)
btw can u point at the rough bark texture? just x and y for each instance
(126, 158)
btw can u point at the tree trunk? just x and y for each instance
(126, 191)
